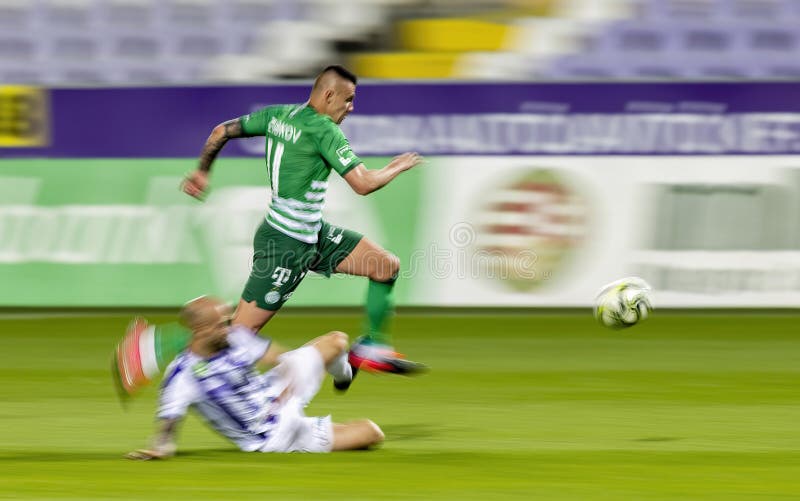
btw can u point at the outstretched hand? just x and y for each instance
(408, 160)
(195, 184)
(160, 449)
(146, 455)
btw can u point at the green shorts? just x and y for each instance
(280, 262)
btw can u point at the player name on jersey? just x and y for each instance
(283, 130)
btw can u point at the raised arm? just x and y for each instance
(196, 182)
(364, 181)
(163, 445)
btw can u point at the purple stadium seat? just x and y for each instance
(127, 14)
(75, 73)
(661, 66)
(772, 38)
(790, 69)
(247, 14)
(190, 43)
(582, 66)
(19, 17)
(72, 45)
(791, 10)
(189, 14)
(716, 66)
(21, 73)
(138, 74)
(681, 10)
(76, 16)
(761, 10)
(643, 38)
(633, 36)
(776, 65)
(15, 46)
(708, 38)
(136, 44)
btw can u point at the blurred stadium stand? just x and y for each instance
(119, 42)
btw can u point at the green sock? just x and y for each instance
(169, 340)
(380, 306)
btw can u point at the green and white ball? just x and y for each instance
(623, 303)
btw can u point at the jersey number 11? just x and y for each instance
(274, 163)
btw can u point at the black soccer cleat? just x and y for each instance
(345, 385)
(405, 367)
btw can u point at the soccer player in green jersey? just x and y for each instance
(303, 144)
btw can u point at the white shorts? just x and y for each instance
(296, 379)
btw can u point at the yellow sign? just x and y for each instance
(24, 117)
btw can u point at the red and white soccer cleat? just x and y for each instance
(132, 367)
(382, 358)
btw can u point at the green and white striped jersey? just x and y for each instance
(301, 149)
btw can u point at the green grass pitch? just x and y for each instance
(545, 407)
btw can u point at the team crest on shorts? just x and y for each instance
(272, 297)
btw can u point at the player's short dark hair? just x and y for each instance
(342, 72)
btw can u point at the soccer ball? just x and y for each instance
(623, 303)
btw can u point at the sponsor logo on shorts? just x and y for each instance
(281, 276)
(272, 297)
(287, 296)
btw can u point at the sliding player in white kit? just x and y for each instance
(216, 376)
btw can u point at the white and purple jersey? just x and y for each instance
(225, 390)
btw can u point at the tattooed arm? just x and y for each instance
(231, 129)
(196, 182)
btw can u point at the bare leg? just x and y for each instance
(254, 318)
(373, 351)
(251, 316)
(356, 435)
(370, 260)
(330, 345)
